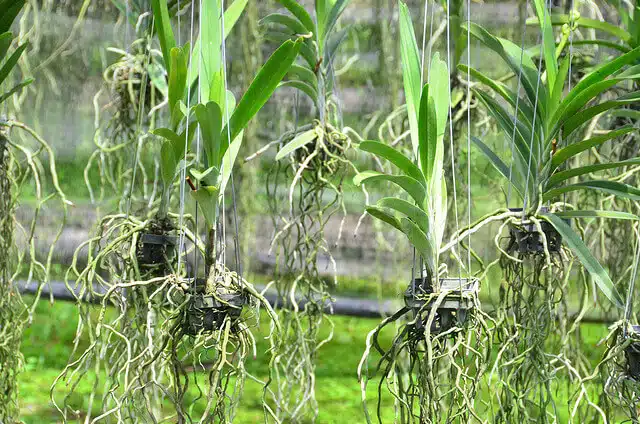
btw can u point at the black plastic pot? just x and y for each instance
(525, 238)
(454, 308)
(632, 352)
(207, 312)
(154, 249)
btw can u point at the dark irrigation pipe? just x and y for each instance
(341, 305)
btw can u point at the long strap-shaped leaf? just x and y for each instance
(560, 177)
(299, 12)
(411, 211)
(590, 263)
(597, 214)
(411, 72)
(589, 23)
(165, 32)
(548, 41)
(621, 190)
(412, 186)
(500, 166)
(395, 157)
(9, 9)
(601, 73)
(261, 88)
(580, 118)
(573, 149)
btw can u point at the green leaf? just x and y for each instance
(519, 62)
(211, 68)
(557, 90)
(169, 163)
(597, 214)
(10, 63)
(500, 165)
(178, 75)
(590, 263)
(262, 87)
(412, 212)
(522, 138)
(9, 10)
(337, 10)
(298, 141)
(408, 184)
(232, 14)
(548, 41)
(165, 32)
(210, 177)
(229, 159)
(582, 117)
(411, 72)
(524, 110)
(292, 24)
(429, 140)
(568, 109)
(302, 86)
(439, 92)
(299, 12)
(614, 30)
(604, 43)
(421, 242)
(573, 149)
(209, 117)
(395, 157)
(207, 198)
(303, 74)
(5, 42)
(621, 190)
(560, 177)
(601, 73)
(384, 216)
(306, 52)
(15, 89)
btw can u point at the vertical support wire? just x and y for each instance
(453, 161)
(141, 98)
(469, 136)
(183, 169)
(517, 110)
(628, 308)
(233, 190)
(535, 114)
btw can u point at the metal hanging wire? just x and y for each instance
(535, 115)
(142, 95)
(236, 238)
(628, 308)
(183, 169)
(517, 106)
(451, 146)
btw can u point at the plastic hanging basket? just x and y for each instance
(155, 249)
(207, 312)
(525, 238)
(632, 352)
(459, 295)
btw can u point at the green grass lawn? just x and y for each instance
(48, 342)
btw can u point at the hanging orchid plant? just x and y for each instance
(442, 308)
(545, 128)
(165, 321)
(21, 166)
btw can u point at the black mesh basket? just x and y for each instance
(632, 352)
(525, 238)
(453, 309)
(155, 249)
(207, 312)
